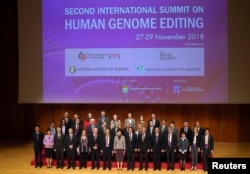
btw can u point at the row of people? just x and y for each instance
(121, 144)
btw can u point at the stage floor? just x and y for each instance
(15, 157)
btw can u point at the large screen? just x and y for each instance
(123, 51)
(134, 51)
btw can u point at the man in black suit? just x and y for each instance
(95, 145)
(102, 129)
(37, 138)
(143, 147)
(114, 129)
(77, 128)
(131, 140)
(126, 129)
(207, 147)
(76, 116)
(59, 147)
(68, 121)
(103, 118)
(107, 144)
(150, 129)
(157, 148)
(71, 144)
(188, 131)
(163, 127)
(170, 146)
(156, 122)
(200, 133)
(91, 127)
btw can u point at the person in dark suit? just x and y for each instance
(102, 129)
(174, 129)
(126, 128)
(115, 129)
(91, 127)
(77, 128)
(59, 147)
(130, 140)
(183, 148)
(76, 116)
(195, 144)
(71, 144)
(64, 128)
(143, 147)
(156, 122)
(207, 147)
(95, 145)
(68, 120)
(37, 138)
(163, 127)
(170, 146)
(200, 132)
(83, 149)
(188, 131)
(103, 118)
(150, 129)
(107, 144)
(157, 148)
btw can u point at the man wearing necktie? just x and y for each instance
(71, 144)
(107, 144)
(157, 148)
(188, 131)
(95, 144)
(170, 145)
(59, 147)
(143, 147)
(37, 138)
(131, 140)
(207, 147)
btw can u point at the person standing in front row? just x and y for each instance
(130, 140)
(143, 147)
(83, 149)
(195, 144)
(170, 146)
(71, 144)
(207, 147)
(183, 148)
(37, 138)
(107, 144)
(157, 148)
(48, 142)
(59, 147)
(95, 145)
(119, 148)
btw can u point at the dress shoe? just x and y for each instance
(132, 169)
(168, 168)
(140, 169)
(104, 168)
(61, 167)
(40, 166)
(36, 166)
(97, 168)
(172, 168)
(192, 168)
(68, 167)
(146, 169)
(80, 167)
(128, 169)
(92, 168)
(109, 168)
(73, 167)
(57, 167)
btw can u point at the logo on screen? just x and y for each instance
(82, 56)
(176, 89)
(140, 69)
(125, 89)
(72, 69)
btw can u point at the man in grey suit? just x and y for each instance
(103, 118)
(175, 130)
(59, 147)
(130, 120)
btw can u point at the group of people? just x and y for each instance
(152, 139)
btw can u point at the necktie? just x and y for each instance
(156, 138)
(95, 137)
(162, 129)
(71, 137)
(130, 137)
(185, 130)
(143, 136)
(59, 136)
(169, 140)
